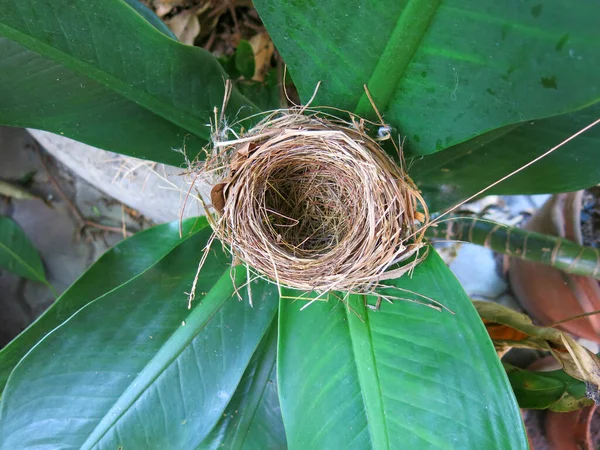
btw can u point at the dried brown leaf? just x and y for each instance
(263, 49)
(185, 26)
(217, 197)
(164, 7)
(509, 329)
(585, 361)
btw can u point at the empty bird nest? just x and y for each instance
(312, 202)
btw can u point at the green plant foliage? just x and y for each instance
(225, 377)
(406, 376)
(120, 361)
(139, 368)
(553, 390)
(17, 253)
(244, 59)
(266, 95)
(150, 94)
(456, 173)
(121, 264)
(252, 419)
(441, 72)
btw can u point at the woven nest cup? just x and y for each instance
(314, 203)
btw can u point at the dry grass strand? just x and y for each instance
(313, 203)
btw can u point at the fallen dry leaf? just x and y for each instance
(509, 329)
(164, 7)
(263, 49)
(185, 26)
(217, 197)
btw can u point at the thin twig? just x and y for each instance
(514, 172)
(99, 226)
(569, 319)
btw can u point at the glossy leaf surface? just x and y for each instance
(456, 173)
(17, 253)
(138, 367)
(122, 263)
(406, 376)
(252, 419)
(99, 73)
(441, 72)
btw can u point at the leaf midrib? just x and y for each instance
(93, 300)
(139, 96)
(404, 41)
(368, 374)
(222, 288)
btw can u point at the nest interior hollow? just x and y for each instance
(314, 203)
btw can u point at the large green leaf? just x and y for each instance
(455, 174)
(17, 253)
(441, 71)
(96, 71)
(553, 390)
(405, 376)
(122, 263)
(135, 368)
(252, 419)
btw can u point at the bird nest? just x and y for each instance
(314, 203)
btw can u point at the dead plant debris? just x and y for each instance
(216, 25)
(510, 329)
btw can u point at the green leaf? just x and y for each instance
(244, 59)
(553, 390)
(17, 253)
(441, 72)
(39, 93)
(252, 419)
(99, 73)
(266, 95)
(135, 368)
(121, 264)
(406, 376)
(455, 174)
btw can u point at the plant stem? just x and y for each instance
(557, 252)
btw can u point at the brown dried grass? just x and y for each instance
(312, 202)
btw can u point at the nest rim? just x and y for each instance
(387, 233)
